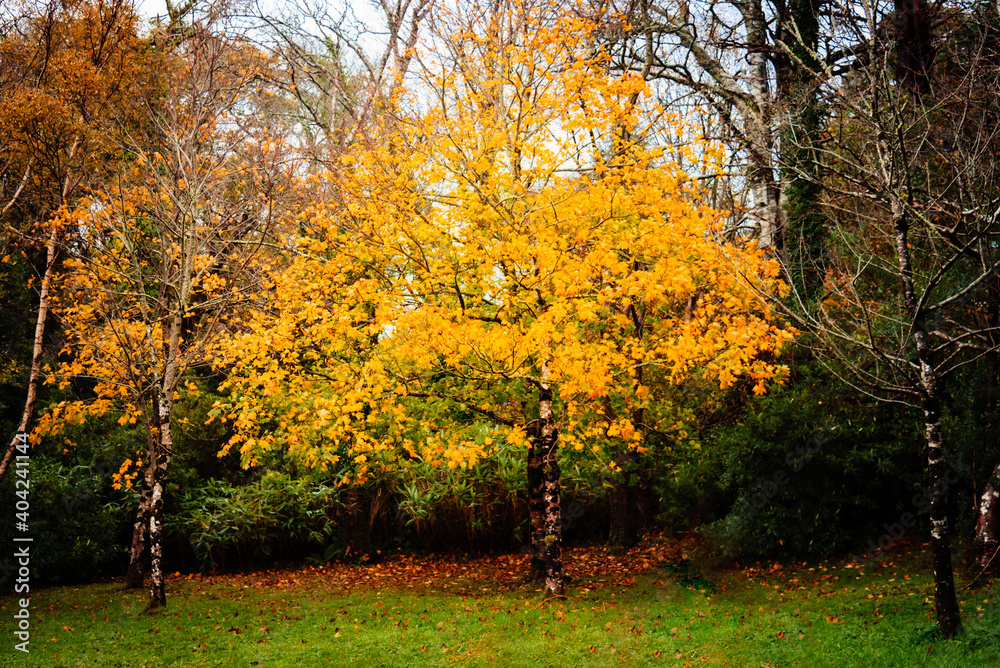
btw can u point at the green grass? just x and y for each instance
(819, 614)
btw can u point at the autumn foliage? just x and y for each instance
(513, 232)
(520, 219)
(530, 250)
(520, 237)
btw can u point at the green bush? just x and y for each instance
(79, 523)
(481, 506)
(813, 468)
(277, 517)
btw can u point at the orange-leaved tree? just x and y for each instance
(161, 260)
(515, 245)
(70, 76)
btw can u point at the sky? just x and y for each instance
(365, 11)
(152, 8)
(365, 14)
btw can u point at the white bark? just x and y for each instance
(51, 252)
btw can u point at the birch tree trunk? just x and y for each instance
(134, 577)
(536, 508)
(945, 603)
(163, 413)
(987, 541)
(164, 450)
(744, 97)
(552, 497)
(51, 253)
(760, 172)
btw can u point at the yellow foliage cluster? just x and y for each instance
(126, 475)
(513, 224)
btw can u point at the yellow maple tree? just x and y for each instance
(497, 248)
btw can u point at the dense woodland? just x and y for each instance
(286, 283)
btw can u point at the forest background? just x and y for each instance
(281, 286)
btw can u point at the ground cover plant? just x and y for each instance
(652, 606)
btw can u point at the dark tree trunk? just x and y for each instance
(914, 49)
(548, 443)
(945, 603)
(624, 503)
(358, 526)
(536, 508)
(805, 224)
(987, 543)
(624, 498)
(135, 576)
(164, 450)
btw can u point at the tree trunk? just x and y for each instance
(536, 508)
(987, 542)
(157, 591)
(624, 496)
(623, 502)
(914, 47)
(164, 450)
(51, 252)
(945, 603)
(986, 545)
(548, 443)
(804, 223)
(358, 526)
(135, 576)
(760, 135)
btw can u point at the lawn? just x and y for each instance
(650, 607)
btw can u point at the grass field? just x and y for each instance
(649, 608)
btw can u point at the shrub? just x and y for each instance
(79, 522)
(813, 469)
(277, 517)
